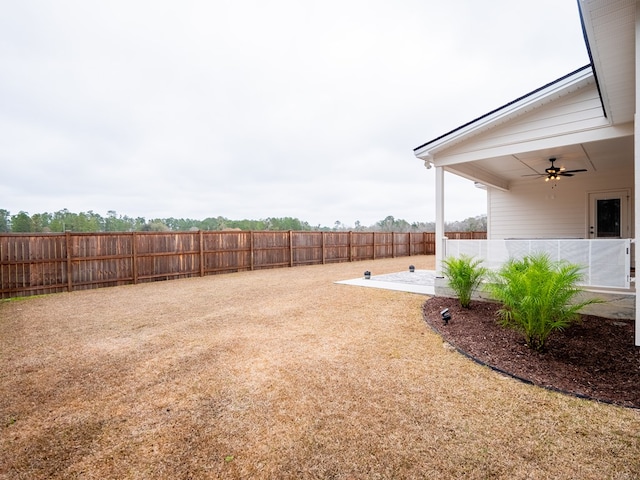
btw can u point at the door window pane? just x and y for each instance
(608, 218)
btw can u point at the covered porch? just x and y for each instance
(606, 267)
(559, 163)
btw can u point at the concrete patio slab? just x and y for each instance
(420, 281)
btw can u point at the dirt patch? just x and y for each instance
(277, 374)
(595, 358)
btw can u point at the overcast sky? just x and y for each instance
(259, 108)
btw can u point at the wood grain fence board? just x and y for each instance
(32, 264)
(336, 247)
(362, 246)
(307, 248)
(227, 251)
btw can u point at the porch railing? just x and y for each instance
(606, 262)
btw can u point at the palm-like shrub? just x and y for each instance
(464, 275)
(536, 295)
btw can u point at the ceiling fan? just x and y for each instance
(554, 173)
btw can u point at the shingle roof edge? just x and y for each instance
(506, 105)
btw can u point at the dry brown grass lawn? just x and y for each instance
(277, 374)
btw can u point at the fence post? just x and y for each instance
(291, 248)
(393, 245)
(201, 240)
(374, 245)
(323, 257)
(67, 237)
(134, 257)
(251, 249)
(350, 246)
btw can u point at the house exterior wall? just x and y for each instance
(537, 209)
(574, 112)
(636, 161)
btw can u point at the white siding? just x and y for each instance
(533, 209)
(576, 111)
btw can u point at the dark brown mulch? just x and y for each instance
(595, 358)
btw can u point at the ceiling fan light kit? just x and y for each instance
(554, 173)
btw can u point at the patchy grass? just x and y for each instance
(22, 299)
(277, 374)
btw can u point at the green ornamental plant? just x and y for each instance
(464, 275)
(536, 295)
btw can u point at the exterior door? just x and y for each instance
(608, 214)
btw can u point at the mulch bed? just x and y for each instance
(595, 358)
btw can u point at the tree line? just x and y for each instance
(64, 221)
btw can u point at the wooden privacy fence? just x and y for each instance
(34, 264)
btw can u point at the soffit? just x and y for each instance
(610, 30)
(594, 156)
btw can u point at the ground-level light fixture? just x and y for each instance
(446, 316)
(412, 268)
(367, 274)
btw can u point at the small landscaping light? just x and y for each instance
(412, 268)
(367, 274)
(446, 316)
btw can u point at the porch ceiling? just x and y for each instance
(593, 156)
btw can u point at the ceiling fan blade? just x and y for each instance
(554, 171)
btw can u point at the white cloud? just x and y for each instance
(250, 109)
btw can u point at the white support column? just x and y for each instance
(636, 169)
(636, 194)
(439, 219)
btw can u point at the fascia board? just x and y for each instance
(519, 107)
(584, 136)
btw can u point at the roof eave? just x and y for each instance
(519, 106)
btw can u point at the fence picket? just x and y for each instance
(33, 264)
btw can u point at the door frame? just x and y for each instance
(624, 194)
